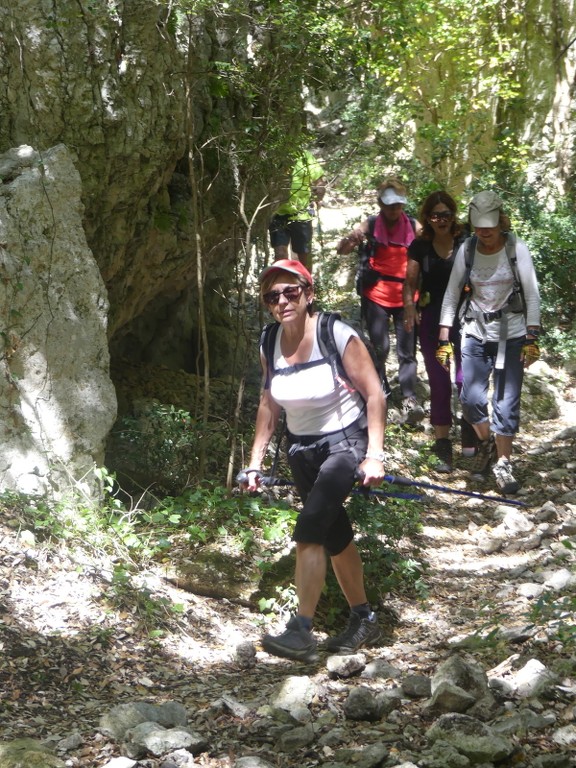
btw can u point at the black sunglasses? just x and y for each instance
(442, 216)
(291, 293)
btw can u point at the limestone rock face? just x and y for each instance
(125, 87)
(58, 402)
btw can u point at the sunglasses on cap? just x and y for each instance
(291, 293)
(441, 216)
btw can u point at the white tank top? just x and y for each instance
(315, 403)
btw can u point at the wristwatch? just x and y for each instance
(380, 456)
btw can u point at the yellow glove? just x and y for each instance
(530, 352)
(444, 353)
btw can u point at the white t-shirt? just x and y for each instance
(492, 280)
(314, 402)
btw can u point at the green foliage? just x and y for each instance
(77, 516)
(153, 612)
(385, 518)
(388, 532)
(162, 445)
(209, 514)
(550, 237)
(556, 613)
(283, 603)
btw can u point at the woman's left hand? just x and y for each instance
(410, 316)
(372, 472)
(530, 352)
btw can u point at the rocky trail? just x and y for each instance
(468, 675)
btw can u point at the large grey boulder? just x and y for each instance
(57, 399)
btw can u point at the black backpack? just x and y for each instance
(326, 342)
(365, 275)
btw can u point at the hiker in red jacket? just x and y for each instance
(388, 234)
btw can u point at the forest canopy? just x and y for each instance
(444, 94)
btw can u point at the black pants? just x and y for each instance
(378, 323)
(324, 475)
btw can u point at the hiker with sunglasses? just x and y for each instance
(500, 319)
(388, 236)
(430, 260)
(335, 432)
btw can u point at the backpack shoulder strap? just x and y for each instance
(469, 251)
(517, 288)
(371, 226)
(325, 334)
(470, 244)
(327, 344)
(466, 286)
(267, 344)
(511, 254)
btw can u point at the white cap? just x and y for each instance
(485, 209)
(390, 197)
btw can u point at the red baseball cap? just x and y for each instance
(293, 266)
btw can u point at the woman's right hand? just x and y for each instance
(351, 241)
(371, 472)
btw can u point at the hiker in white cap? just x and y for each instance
(383, 242)
(494, 283)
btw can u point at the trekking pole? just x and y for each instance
(395, 480)
(269, 480)
(319, 229)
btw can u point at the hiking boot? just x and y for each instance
(468, 438)
(485, 456)
(359, 632)
(412, 413)
(505, 480)
(294, 643)
(442, 448)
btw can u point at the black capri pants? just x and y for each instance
(324, 472)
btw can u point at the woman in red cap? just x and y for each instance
(335, 430)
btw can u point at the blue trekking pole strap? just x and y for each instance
(395, 480)
(367, 491)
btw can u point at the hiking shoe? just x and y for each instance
(412, 413)
(505, 480)
(485, 456)
(359, 632)
(442, 448)
(468, 438)
(294, 643)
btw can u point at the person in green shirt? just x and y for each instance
(291, 225)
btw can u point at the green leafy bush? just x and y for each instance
(161, 445)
